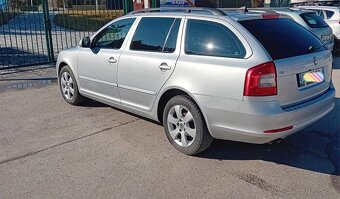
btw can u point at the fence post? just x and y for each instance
(154, 4)
(127, 6)
(48, 34)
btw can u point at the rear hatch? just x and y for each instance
(303, 64)
(318, 26)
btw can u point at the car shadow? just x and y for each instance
(314, 149)
(92, 104)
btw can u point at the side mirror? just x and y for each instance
(86, 42)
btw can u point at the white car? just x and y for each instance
(330, 14)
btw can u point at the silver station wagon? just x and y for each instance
(249, 77)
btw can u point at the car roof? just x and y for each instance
(333, 8)
(288, 11)
(242, 15)
(179, 11)
(294, 10)
(238, 14)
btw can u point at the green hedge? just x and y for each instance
(85, 20)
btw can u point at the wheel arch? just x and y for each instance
(61, 65)
(172, 92)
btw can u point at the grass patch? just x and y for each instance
(86, 20)
(6, 16)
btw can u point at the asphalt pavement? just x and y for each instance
(50, 149)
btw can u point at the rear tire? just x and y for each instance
(185, 127)
(69, 87)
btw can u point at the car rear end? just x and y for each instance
(319, 27)
(331, 15)
(290, 91)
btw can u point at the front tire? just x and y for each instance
(185, 127)
(69, 87)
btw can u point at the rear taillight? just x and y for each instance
(261, 80)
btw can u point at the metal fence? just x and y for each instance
(34, 31)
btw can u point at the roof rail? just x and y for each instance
(213, 11)
(266, 10)
(240, 9)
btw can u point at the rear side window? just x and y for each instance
(212, 39)
(313, 20)
(329, 14)
(156, 34)
(283, 38)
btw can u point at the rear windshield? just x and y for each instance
(313, 20)
(283, 38)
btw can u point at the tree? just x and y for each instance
(257, 3)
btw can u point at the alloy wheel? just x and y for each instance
(67, 85)
(181, 125)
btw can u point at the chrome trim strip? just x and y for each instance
(98, 81)
(137, 90)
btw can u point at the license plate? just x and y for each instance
(310, 77)
(325, 37)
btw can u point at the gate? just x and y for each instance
(35, 31)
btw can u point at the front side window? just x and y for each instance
(212, 39)
(156, 34)
(112, 37)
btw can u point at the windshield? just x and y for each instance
(282, 37)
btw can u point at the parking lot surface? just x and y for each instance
(50, 149)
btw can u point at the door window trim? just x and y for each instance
(179, 34)
(134, 28)
(126, 37)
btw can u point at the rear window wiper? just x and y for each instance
(312, 49)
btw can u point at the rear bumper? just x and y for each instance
(246, 121)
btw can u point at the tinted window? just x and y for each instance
(170, 44)
(329, 14)
(320, 13)
(283, 38)
(212, 39)
(113, 35)
(313, 20)
(156, 34)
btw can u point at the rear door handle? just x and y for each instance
(164, 66)
(112, 60)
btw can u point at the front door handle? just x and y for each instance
(112, 60)
(164, 66)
